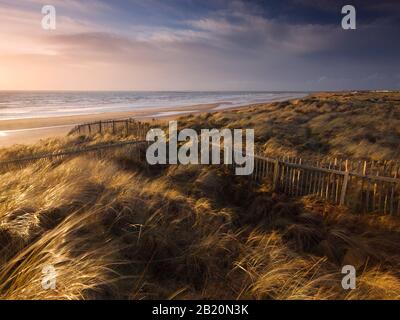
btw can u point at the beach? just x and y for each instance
(89, 212)
(29, 130)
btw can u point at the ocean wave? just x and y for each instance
(22, 105)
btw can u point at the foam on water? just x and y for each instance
(24, 104)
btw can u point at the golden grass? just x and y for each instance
(362, 125)
(117, 230)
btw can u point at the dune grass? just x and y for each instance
(349, 125)
(114, 230)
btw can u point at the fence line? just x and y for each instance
(386, 168)
(131, 149)
(352, 183)
(365, 186)
(126, 126)
(361, 192)
(129, 126)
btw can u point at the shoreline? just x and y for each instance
(31, 130)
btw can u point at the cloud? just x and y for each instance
(260, 33)
(71, 5)
(217, 26)
(194, 45)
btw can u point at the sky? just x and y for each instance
(275, 45)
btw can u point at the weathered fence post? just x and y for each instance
(344, 188)
(276, 175)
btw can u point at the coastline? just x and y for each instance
(31, 130)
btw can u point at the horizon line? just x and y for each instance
(197, 91)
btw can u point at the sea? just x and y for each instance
(43, 104)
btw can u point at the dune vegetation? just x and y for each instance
(116, 229)
(364, 125)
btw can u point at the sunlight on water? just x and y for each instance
(26, 104)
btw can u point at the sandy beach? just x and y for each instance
(31, 130)
(28, 131)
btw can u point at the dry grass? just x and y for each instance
(362, 125)
(181, 232)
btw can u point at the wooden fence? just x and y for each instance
(383, 168)
(365, 187)
(128, 149)
(359, 191)
(127, 126)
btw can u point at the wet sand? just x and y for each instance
(28, 131)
